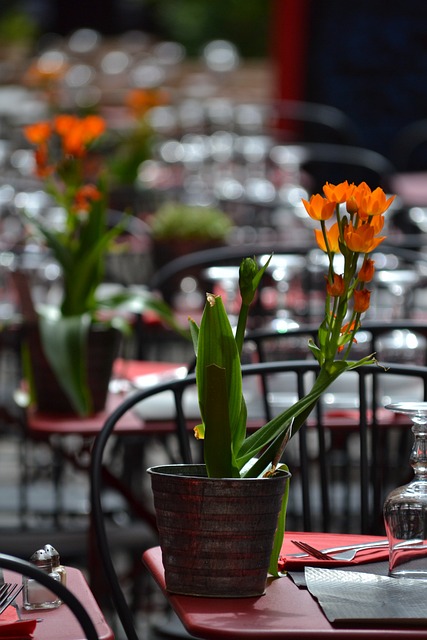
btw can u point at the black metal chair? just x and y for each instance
(409, 147)
(398, 341)
(314, 504)
(338, 162)
(68, 598)
(310, 121)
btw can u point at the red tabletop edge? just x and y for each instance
(284, 612)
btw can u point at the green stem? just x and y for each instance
(241, 327)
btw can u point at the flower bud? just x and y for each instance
(367, 270)
(362, 298)
(337, 287)
(247, 272)
(351, 205)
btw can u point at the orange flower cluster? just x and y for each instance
(84, 196)
(365, 208)
(140, 101)
(353, 233)
(75, 134)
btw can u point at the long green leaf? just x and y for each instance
(217, 444)
(281, 423)
(64, 340)
(280, 530)
(216, 345)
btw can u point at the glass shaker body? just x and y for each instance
(36, 595)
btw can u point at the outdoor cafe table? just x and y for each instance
(285, 611)
(61, 622)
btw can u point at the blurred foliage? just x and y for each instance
(176, 220)
(17, 27)
(193, 23)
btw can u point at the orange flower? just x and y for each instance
(319, 208)
(377, 222)
(338, 193)
(359, 192)
(337, 287)
(332, 235)
(362, 298)
(63, 123)
(41, 154)
(93, 127)
(77, 133)
(367, 270)
(38, 133)
(361, 240)
(84, 196)
(347, 328)
(374, 203)
(141, 100)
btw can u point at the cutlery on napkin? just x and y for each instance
(290, 559)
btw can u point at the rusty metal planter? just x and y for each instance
(216, 534)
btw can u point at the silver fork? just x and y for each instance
(8, 592)
(346, 554)
(312, 551)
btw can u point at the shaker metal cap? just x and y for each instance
(51, 551)
(41, 558)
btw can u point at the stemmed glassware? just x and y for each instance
(405, 508)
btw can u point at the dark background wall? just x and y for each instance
(369, 58)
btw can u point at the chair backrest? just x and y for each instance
(349, 434)
(409, 147)
(398, 341)
(68, 598)
(338, 162)
(317, 122)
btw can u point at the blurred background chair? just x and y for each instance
(409, 147)
(325, 162)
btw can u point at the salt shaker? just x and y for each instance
(36, 595)
(56, 563)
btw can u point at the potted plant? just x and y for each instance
(230, 454)
(79, 242)
(178, 229)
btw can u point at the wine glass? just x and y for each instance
(405, 508)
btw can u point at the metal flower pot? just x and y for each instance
(216, 534)
(102, 349)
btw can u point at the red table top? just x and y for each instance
(42, 425)
(284, 612)
(61, 622)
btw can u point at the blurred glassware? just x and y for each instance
(221, 56)
(405, 508)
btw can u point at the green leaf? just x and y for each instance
(317, 353)
(280, 424)
(194, 333)
(139, 302)
(217, 346)
(280, 530)
(217, 444)
(64, 340)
